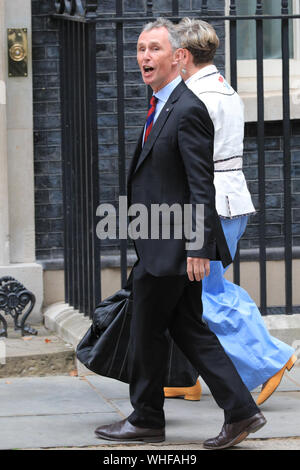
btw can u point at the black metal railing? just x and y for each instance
(80, 156)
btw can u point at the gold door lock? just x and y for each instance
(17, 46)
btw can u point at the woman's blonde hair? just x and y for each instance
(200, 38)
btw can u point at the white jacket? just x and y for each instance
(226, 110)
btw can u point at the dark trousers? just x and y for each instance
(180, 372)
(174, 303)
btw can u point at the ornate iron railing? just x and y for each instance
(18, 302)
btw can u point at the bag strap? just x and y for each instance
(129, 282)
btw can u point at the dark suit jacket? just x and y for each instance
(176, 166)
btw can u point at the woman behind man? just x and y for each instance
(228, 310)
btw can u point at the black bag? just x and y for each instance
(105, 348)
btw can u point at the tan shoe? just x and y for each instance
(189, 393)
(270, 386)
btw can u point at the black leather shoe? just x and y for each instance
(125, 431)
(234, 433)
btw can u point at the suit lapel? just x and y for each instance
(159, 123)
(135, 157)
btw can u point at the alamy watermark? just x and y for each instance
(160, 221)
(2, 352)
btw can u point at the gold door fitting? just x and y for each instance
(17, 46)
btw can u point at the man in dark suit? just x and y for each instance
(173, 165)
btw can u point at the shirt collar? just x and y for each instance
(209, 69)
(164, 93)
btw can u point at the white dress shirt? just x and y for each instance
(226, 111)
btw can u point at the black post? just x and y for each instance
(261, 157)
(233, 80)
(149, 8)
(204, 7)
(233, 49)
(87, 300)
(175, 8)
(76, 156)
(94, 271)
(64, 99)
(286, 156)
(121, 130)
(83, 305)
(70, 158)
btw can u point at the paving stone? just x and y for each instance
(64, 411)
(52, 430)
(49, 396)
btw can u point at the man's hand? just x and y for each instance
(197, 268)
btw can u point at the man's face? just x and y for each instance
(156, 59)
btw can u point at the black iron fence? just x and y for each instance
(78, 19)
(79, 155)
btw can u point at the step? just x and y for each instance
(40, 355)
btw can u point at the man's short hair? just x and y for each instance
(198, 37)
(174, 37)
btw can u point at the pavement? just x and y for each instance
(43, 354)
(61, 411)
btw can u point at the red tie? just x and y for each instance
(150, 117)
